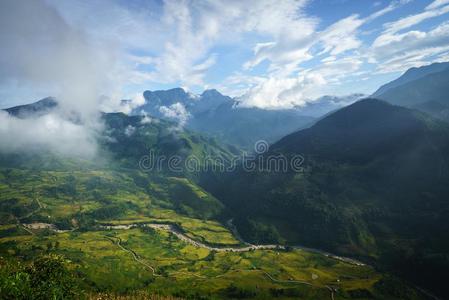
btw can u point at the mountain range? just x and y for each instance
(425, 88)
(372, 182)
(411, 75)
(231, 121)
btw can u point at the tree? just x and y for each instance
(47, 277)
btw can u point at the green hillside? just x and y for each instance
(101, 260)
(373, 184)
(427, 93)
(108, 227)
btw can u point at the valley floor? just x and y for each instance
(152, 247)
(154, 257)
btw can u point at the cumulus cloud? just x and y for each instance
(288, 26)
(128, 105)
(50, 132)
(192, 29)
(282, 93)
(175, 39)
(176, 112)
(302, 41)
(287, 84)
(278, 44)
(285, 93)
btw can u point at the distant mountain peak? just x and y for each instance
(211, 92)
(37, 108)
(323, 105)
(219, 115)
(194, 103)
(361, 131)
(170, 92)
(412, 74)
(362, 111)
(425, 89)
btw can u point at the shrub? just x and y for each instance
(47, 277)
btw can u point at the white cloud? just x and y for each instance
(287, 83)
(412, 47)
(42, 51)
(50, 133)
(289, 50)
(442, 57)
(201, 25)
(285, 93)
(341, 36)
(146, 119)
(436, 4)
(178, 42)
(412, 20)
(176, 112)
(413, 58)
(129, 130)
(291, 30)
(282, 93)
(392, 6)
(237, 84)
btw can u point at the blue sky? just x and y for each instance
(271, 54)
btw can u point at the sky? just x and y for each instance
(267, 53)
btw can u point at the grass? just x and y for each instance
(181, 270)
(64, 195)
(184, 270)
(208, 231)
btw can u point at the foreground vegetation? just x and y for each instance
(103, 261)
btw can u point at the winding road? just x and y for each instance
(175, 231)
(137, 258)
(185, 238)
(134, 254)
(246, 248)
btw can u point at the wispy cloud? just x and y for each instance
(412, 20)
(397, 52)
(288, 84)
(436, 4)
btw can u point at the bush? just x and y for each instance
(47, 277)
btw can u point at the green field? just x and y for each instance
(181, 269)
(155, 261)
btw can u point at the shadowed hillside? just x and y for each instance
(374, 184)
